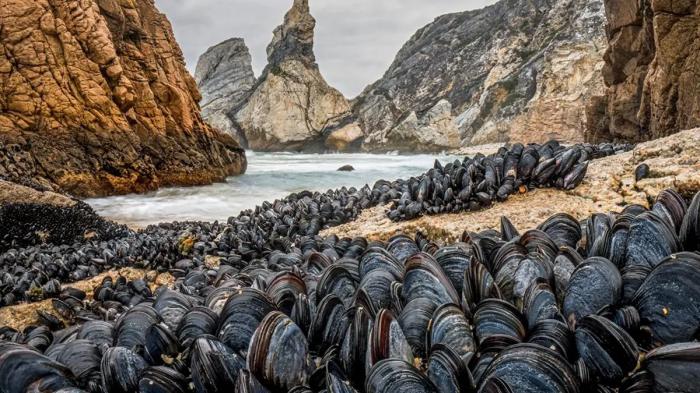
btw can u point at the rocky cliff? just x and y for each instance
(291, 106)
(225, 76)
(514, 71)
(652, 71)
(95, 99)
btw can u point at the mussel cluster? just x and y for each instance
(609, 304)
(44, 246)
(476, 183)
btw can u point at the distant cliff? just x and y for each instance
(225, 77)
(652, 71)
(514, 71)
(96, 100)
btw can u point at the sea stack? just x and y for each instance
(225, 77)
(292, 107)
(97, 101)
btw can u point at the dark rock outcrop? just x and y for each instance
(225, 76)
(291, 106)
(95, 99)
(513, 71)
(652, 71)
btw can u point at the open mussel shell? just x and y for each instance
(240, 316)
(530, 368)
(397, 376)
(675, 367)
(448, 371)
(425, 279)
(387, 340)
(495, 317)
(606, 349)
(449, 327)
(21, 368)
(162, 380)
(667, 299)
(278, 353)
(690, 228)
(121, 369)
(650, 240)
(594, 284)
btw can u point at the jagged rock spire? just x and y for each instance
(294, 39)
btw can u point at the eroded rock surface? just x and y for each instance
(95, 99)
(291, 106)
(610, 185)
(518, 71)
(652, 71)
(225, 76)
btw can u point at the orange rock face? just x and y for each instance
(95, 100)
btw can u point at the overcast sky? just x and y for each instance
(356, 40)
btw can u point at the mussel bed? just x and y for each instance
(42, 247)
(608, 304)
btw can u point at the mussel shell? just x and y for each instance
(605, 348)
(650, 240)
(495, 317)
(424, 278)
(121, 369)
(387, 340)
(540, 303)
(529, 368)
(397, 376)
(675, 367)
(666, 300)
(353, 352)
(21, 367)
(328, 325)
(449, 327)
(553, 334)
(690, 228)
(277, 335)
(214, 366)
(171, 306)
(448, 372)
(240, 316)
(594, 284)
(162, 380)
(199, 321)
(414, 321)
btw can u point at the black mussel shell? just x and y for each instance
(606, 349)
(529, 368)
(214, 366)
(162, 380)
(594, 284)
(448, 372)
(161, 345)
(449, 327)
(283, 289)
(397, 376)
(240, 317)
(425, 278)
(337, 280)
(121, 369)
(131, 326)
(199, 321)
(328, 325)
(540, 303)
(478, 285)
(690, 228)
(641, 172)
(171, 306)
(278, 353)
(83, 358)
(553, 334)
(100, 333)
(414, 320)
(495, 317)
(667, 299)
(650, 240)
(387, 340)
(21, 367)
(563, 229)
(353, 352)
(675, 367)
(508, 230)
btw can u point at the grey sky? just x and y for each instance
(356, 40)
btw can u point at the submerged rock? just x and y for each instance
(346, 168)
(97, 101)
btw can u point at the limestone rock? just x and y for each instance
(291, 106)
(514, 71)
(435, 131)
(225, 77)
(652, 72)
(96, 100)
